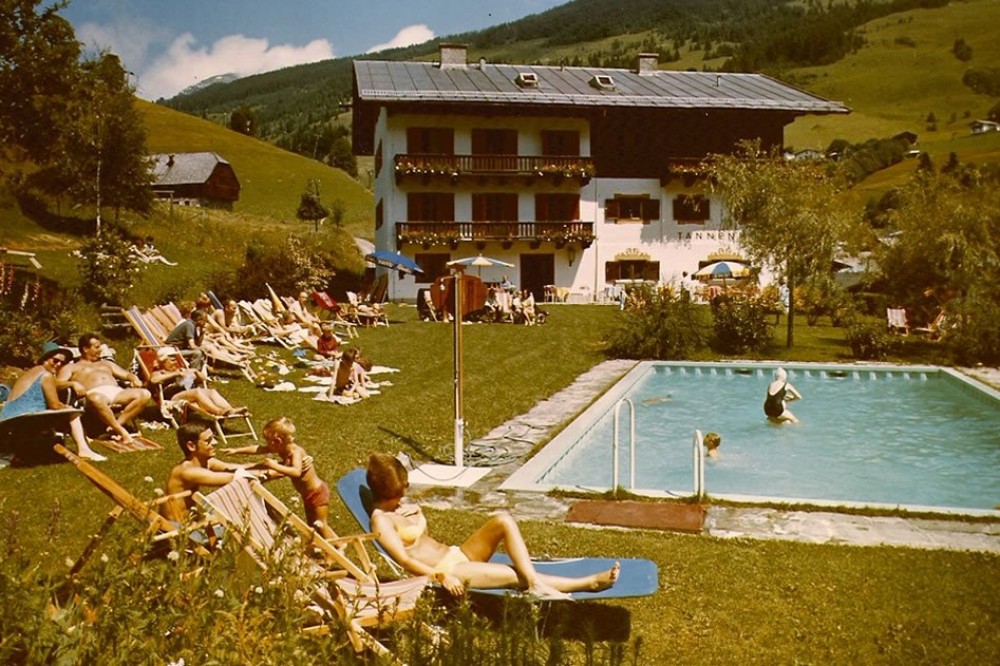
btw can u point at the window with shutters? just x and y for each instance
(435, 264)
(631, 270)
(626, 208)
(430, 207)
(557, 207)
(430, 140)
(494, 207)
(561, 142)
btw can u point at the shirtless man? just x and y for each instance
(99, 379)
(199, 468)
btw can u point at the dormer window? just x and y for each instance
(527, 80)
(602, 82)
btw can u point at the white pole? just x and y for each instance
(456, 284)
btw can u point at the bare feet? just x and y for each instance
(607, 579)
(543, 592)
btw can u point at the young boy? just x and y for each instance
(351, 380)
(199, 468)
(328, 344)
(296, 464)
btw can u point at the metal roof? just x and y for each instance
(389, 81)
(186, 169)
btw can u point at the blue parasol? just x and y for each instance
(394, 261)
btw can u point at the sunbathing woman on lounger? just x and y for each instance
(402, 530)
(36, 391)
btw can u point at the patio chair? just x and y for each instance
(202, 534)
(147, 358)
(896, 321)
(934, 330)
(334, 312)
(638, 577)
(428, 305)
(356, 596)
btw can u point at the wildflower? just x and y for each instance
(258, 590)
(149, 479)
(179, 662)
(69, 562)
(158, 492)
(173, 556)
(220, 593)
(104, 558)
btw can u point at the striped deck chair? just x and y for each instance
(147, 359)
(202, 534)
(357, 597)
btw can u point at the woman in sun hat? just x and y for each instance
(37, 391)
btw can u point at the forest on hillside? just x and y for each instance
(294, 107)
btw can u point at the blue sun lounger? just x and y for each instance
(638, 578)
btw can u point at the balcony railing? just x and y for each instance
(452, 233)
(556, 167)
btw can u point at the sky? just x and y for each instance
(171, 44)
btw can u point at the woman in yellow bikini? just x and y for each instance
(402, 530)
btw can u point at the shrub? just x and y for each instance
(977, 340)
(288, 268)
(741, 322)
(107, 268)
(659, 325)
(869, 339)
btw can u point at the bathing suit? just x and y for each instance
(409, 533)
(31, 401)
(109, 391)
(318, 497)
(774, 405)
(452, 558)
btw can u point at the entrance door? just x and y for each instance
(537, 271)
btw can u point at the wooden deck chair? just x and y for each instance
(147, 358)
(429, 305)
(138, 322)
(935, 329)
(364, 314)
(896, 321)
(358, 598)
(265, 322)
(334, 313)
(202, 534)
(637, 578)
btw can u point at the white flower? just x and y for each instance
(104, 558)
(69, 562)
(179, 662)
(149, 479)
(173, 556)
(158, 492)
(258, 590)
(220, 593)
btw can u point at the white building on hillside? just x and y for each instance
(581, 177)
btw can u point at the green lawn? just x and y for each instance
(720, 600)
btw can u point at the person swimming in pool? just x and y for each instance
(712, 441)
(779, 393)
(402, 530)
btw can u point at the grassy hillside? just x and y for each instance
(272, 179)
(892, 87)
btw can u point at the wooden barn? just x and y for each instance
(195, 179)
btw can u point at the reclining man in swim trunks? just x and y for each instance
(99, 378)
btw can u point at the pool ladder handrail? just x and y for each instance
(631, 445)
(698, 462)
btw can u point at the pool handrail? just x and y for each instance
(698, 462)
(631, 445)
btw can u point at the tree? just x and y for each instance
(787, 213)
(38, 68)
(101, 155)
(310, 207)
(242, 120)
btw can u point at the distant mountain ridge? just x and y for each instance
(210, 81)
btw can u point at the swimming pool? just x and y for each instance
(919, 437)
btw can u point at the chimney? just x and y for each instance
(648, 63)
(453, 56)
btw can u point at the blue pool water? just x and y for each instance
(875, 435)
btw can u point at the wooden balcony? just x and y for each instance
(455, 167)
(453, 233)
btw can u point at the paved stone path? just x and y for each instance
(517, 438)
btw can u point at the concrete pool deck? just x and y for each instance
(511, 443)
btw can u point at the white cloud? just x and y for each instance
(408, 36)
(129, 40)
(185, 62)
